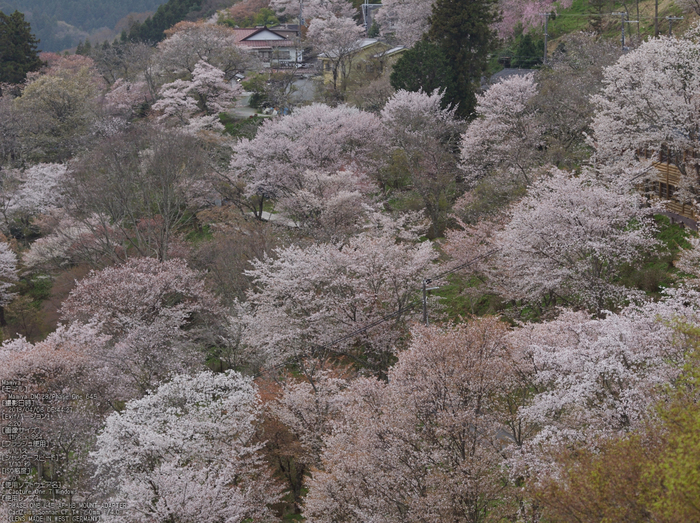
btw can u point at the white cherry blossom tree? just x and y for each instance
(426, 446)
(312, 138)
(597, 378)
(188, 43)
(309, 297)
(206, 93)
(8, 277)
(506, 134)
(160, 316)
(314, 8)
(185, 452)
(649, 102)
(568, 237)
(338, 39)
(404, 21)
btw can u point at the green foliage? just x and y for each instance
(241, 128)
(528, 51)
(574, 19)
(373, 31)
(491, 196)
(424, 67)
(18, 48)
(264, 16)
(464, 31)
(167, 15)
(61, 24)
(656, 270)
(200, 233)
(463, 296)
(674, 475)
(62, 108)
(256, 84)
(25, 315)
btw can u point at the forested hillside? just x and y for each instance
(61, 24)
(381, 285)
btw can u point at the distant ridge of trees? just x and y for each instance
(60, 24)
(167, 15)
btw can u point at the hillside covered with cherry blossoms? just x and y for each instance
(352, 275)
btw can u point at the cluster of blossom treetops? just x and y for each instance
(221, 364)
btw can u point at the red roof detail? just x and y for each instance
(267, 43)
(240, 34)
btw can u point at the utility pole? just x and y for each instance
(546, 20)
(426, 282)
(365, 15)
(301, 15)
(633, 22)
(622, 23)
(670, 23)
(656, 18)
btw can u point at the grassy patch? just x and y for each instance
(403, 201)
(200, 233)
(461, 297)
(573, 19)
(656, 270)
(241, 127)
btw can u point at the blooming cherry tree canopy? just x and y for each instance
(568, 236)
(315, 137)
(650, 100)
(184, 452)
(506, 134)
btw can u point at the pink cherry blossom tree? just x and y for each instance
(125, 97)
(527, 13)
(404, 21)
(689, 261)
(70, 398)
(159, 314)
(189, 43)
(185, 452)
(567, 238)
(314, 8)
(506, 134)
(649, 102)
(598, 377)
(329, 207)
(426, 446)
(207, 93)
(310, 409)
(338, 39)
(306, 298)
(315, 138)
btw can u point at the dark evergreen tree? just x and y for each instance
(84, 15)
(425, 68)
(167, 15)
(528, 51)
(464, 31)
(18, 48)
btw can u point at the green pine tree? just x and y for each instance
(18, 48)
(425, 68)
(464, 31)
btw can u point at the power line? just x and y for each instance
(670, 23)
